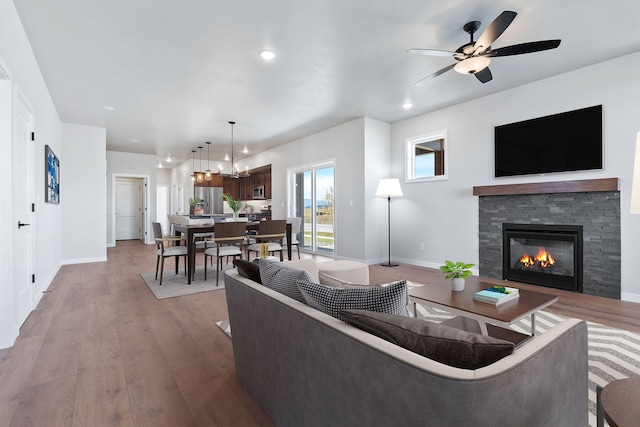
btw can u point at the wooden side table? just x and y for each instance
(620, 403)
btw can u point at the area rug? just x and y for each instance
(613, 353)
(175, 285)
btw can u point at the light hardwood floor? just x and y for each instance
(100, 350)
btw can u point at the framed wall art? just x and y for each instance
(51, 176)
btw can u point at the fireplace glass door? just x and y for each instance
(547, 255)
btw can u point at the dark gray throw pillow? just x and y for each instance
(330, 300)
(248, 269)
(444, 344)
(282, 279)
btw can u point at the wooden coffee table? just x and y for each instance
(493, 320)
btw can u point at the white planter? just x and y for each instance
(457, 284)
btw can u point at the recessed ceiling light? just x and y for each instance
(407, 105)
(108, 107)
(169, 159)
(246, 150)
(159, 165)
(267, 55)
(135, 140)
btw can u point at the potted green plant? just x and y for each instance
(193, 202)
(234, 205)
(457, 272)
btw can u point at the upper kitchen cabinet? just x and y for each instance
(261, 177)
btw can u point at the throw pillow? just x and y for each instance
(248, 269)
(444, 344)
(390, 299)
(328, 280)
(282, 279)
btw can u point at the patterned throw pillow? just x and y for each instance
(282, 279)
(391, 299)
(444, 344)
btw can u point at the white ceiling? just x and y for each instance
(177, 71)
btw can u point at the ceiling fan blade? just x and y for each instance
(494, 30)
(437, 73)
(519, 49)
(431, 52)
(484, 75)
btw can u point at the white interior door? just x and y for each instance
(22, 211)
(129, 209)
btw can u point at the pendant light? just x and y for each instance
(193, 166)
(200, 175)
(208, 171)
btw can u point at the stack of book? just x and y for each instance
(496, 295)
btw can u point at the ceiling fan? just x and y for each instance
(474, 57)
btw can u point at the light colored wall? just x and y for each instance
(135, 165)
(18, 60)
(444, 214)
(345, 144)
(377, 151)
(83, 193)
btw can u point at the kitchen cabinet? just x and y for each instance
(242, 188)
(231, 186)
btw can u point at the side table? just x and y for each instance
(619, 403)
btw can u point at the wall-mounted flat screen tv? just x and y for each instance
(570, 141)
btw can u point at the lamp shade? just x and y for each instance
(635, 186)
(389, 188)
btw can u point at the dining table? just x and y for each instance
(191, 230)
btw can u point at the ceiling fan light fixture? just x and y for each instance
(472, 65)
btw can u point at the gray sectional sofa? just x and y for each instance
(305, 368)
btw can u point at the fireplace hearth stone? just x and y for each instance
(597, 212)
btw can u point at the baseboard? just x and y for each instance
(83, 260)
(628, 296)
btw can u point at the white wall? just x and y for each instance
(444, 214)
(19, 62)
(346, 144)
(136, 165)
(83, 193)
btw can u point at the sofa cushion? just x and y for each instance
(308, 265)
(444, 344)
(390, 299)
(281, 278)
(248, 269)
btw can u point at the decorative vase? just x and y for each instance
(457, 284)
(191, 210)
(235, 216)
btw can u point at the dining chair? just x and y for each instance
(296, 223)
(228, 238)
(271, 232)
(165, 248)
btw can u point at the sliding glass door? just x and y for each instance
(311, 197)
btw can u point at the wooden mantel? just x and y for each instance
(582, 186)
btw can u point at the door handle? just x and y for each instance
(22, 224)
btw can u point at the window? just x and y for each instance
(425, 157)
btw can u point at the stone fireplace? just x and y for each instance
(565, 218)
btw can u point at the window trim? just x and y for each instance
(409, 150)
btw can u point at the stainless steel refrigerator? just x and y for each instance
(212, 199)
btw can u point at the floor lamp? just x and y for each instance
(389, 188)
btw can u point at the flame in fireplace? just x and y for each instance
(542, 259)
